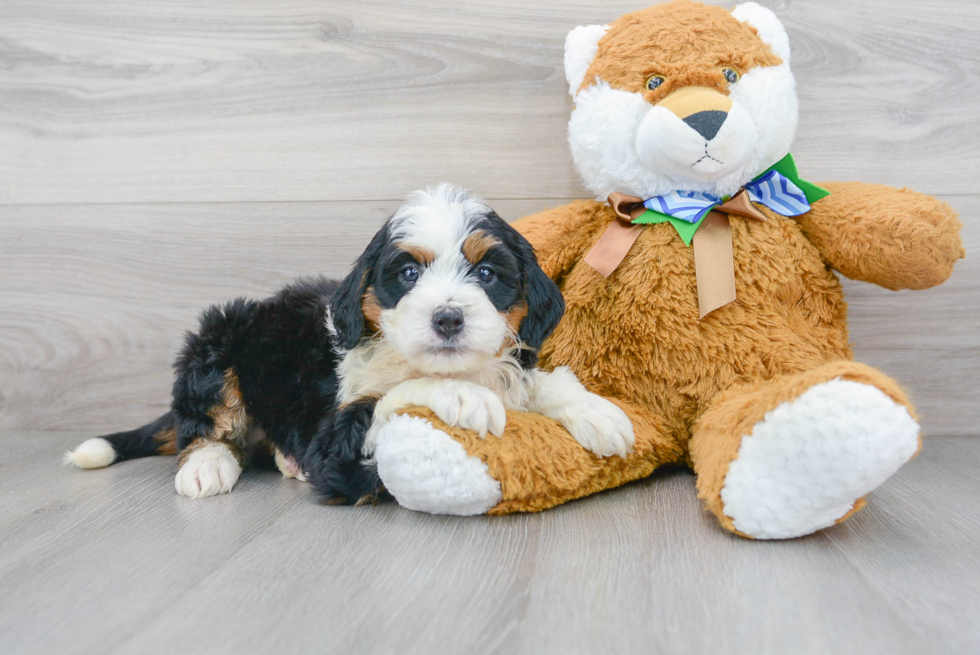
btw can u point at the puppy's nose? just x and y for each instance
(707, 123)
(447, 321)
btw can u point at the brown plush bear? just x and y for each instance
(701, 297)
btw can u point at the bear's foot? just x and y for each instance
(426, 470)
(809, 460)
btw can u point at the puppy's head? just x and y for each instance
(448, 285)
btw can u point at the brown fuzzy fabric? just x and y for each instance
(895, 238)
(701, 41)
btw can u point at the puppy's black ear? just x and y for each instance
(345, 305)
(545, 304)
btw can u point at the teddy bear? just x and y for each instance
(701, 293)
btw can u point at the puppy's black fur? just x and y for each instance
(283, 353)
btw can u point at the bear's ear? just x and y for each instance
(581, 45)
(770, 30)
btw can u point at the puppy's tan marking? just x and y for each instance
(422, 255)
(167, 440)
(231, 422)
(202, 442)
(515, 315)
(477, 245)
(371, 309)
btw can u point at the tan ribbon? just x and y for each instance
(714, 262)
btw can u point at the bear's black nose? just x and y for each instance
(707, 123)
(447, 321)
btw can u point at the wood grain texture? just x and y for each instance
(159, 157)
(113, 562)
(138, 101)
(96, 300)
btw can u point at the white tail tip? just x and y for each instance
(91, 454)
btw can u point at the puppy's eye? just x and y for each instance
(731, 75)
(485, 274)
(654, 82)
(410, 274)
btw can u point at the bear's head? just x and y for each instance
(680, 96)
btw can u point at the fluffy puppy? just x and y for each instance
(445, 309)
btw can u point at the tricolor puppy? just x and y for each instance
(445, 309)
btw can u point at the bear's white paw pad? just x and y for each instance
(809, 460)
(427, 471)
(91, 454)
(600, 426)
(208, 471)
(471, 407)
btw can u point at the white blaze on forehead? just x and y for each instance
(438, 218)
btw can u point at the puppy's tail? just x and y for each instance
(156, 438)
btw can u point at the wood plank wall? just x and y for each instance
(159, 156)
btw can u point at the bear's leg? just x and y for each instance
(536, 464)
(789, 456)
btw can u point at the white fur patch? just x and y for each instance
(770, 29)
(768, 94)
(375, 368)
(668, 145)
(808, 460)
(208, 471)
(427, 471)
(91, 454)
(581, 46)
(596, 423)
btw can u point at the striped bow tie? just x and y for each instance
(772, 189)
(779, 188)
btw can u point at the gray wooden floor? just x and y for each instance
(113, 561)
(156, 157)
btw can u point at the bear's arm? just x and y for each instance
(561, 236)
(895, 238)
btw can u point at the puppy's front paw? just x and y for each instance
(599, 425)
(208, 471)
(471, 407)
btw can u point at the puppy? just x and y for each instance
(445, 309)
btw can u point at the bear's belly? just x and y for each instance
(637, 336)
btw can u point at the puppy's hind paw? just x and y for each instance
(208, 471)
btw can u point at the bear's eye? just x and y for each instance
(731, 75)
(654, 82)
